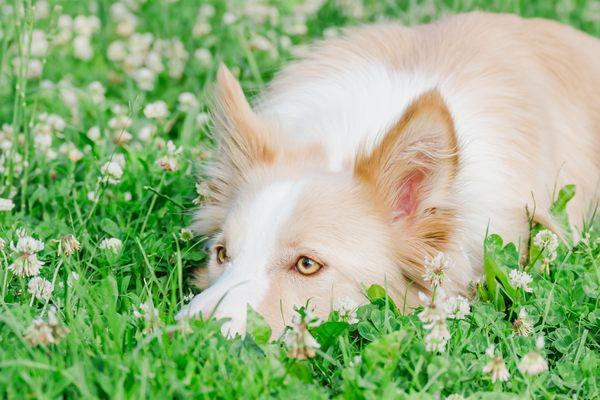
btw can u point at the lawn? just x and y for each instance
(104, 128)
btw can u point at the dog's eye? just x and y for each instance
(221, 253)
(307, 266)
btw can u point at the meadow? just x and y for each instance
(104, 127)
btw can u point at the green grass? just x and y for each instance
(107, 352)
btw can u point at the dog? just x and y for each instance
(388, 145)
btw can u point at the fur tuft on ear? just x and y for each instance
(411, 171)
(244, 142)
(415, 159)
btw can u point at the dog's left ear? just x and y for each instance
(244, 141)
(415, 160)
(243, 137)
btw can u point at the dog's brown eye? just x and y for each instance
(222, 256)
(307, 266)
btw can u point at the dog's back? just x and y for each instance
(523, 95)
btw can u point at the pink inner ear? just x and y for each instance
(407, 196)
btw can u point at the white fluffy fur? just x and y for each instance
(244, 279)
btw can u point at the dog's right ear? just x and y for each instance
(244, 142)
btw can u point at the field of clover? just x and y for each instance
(104, 126)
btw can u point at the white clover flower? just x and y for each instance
(118, 10)
(40, 288)
(186, 234)
(111, 244)
(82, 48)
(39, 44)
(154, 62)
(6, 204)
(112, 172)
(523, 325)
(94, 133)
(97, 92)
(156, 110)
(39, 333)
(44, 333)
(295, 25)
(86, 25)
(435, 269)
(122, 138)
(34, 68)
(150, 315)
(298, 340)
(65, 29)
(116, 51)
(92, 196)
(42, 9)
(261, 43)
(285, 42)
(172, 149)
(119, 159)
(187, 102)
(346, 309)
(25, 261)
(146, 132)
(229, 18)
(497, 370)
(434, 318)
(119, 122)
(204, 56)
(532, 364)
(546, 240)
(307, 317)
(127, 196)
(68, 245)
(127, 24)
(145, 79)
(168, 163)
(69, 96)
(201, 28)
(457, 307)
(176, 68)
(2, 244)
(72, 152)
(203, 190)
(433, 309)
(438, 336)
(520, 280)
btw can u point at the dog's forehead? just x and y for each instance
(259, 215)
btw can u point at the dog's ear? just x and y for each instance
(243, 137)
(244, 142)
(415, 160)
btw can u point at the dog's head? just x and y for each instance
(286, 229)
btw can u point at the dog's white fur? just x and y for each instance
(514, 102)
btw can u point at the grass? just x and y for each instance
(109, 353)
